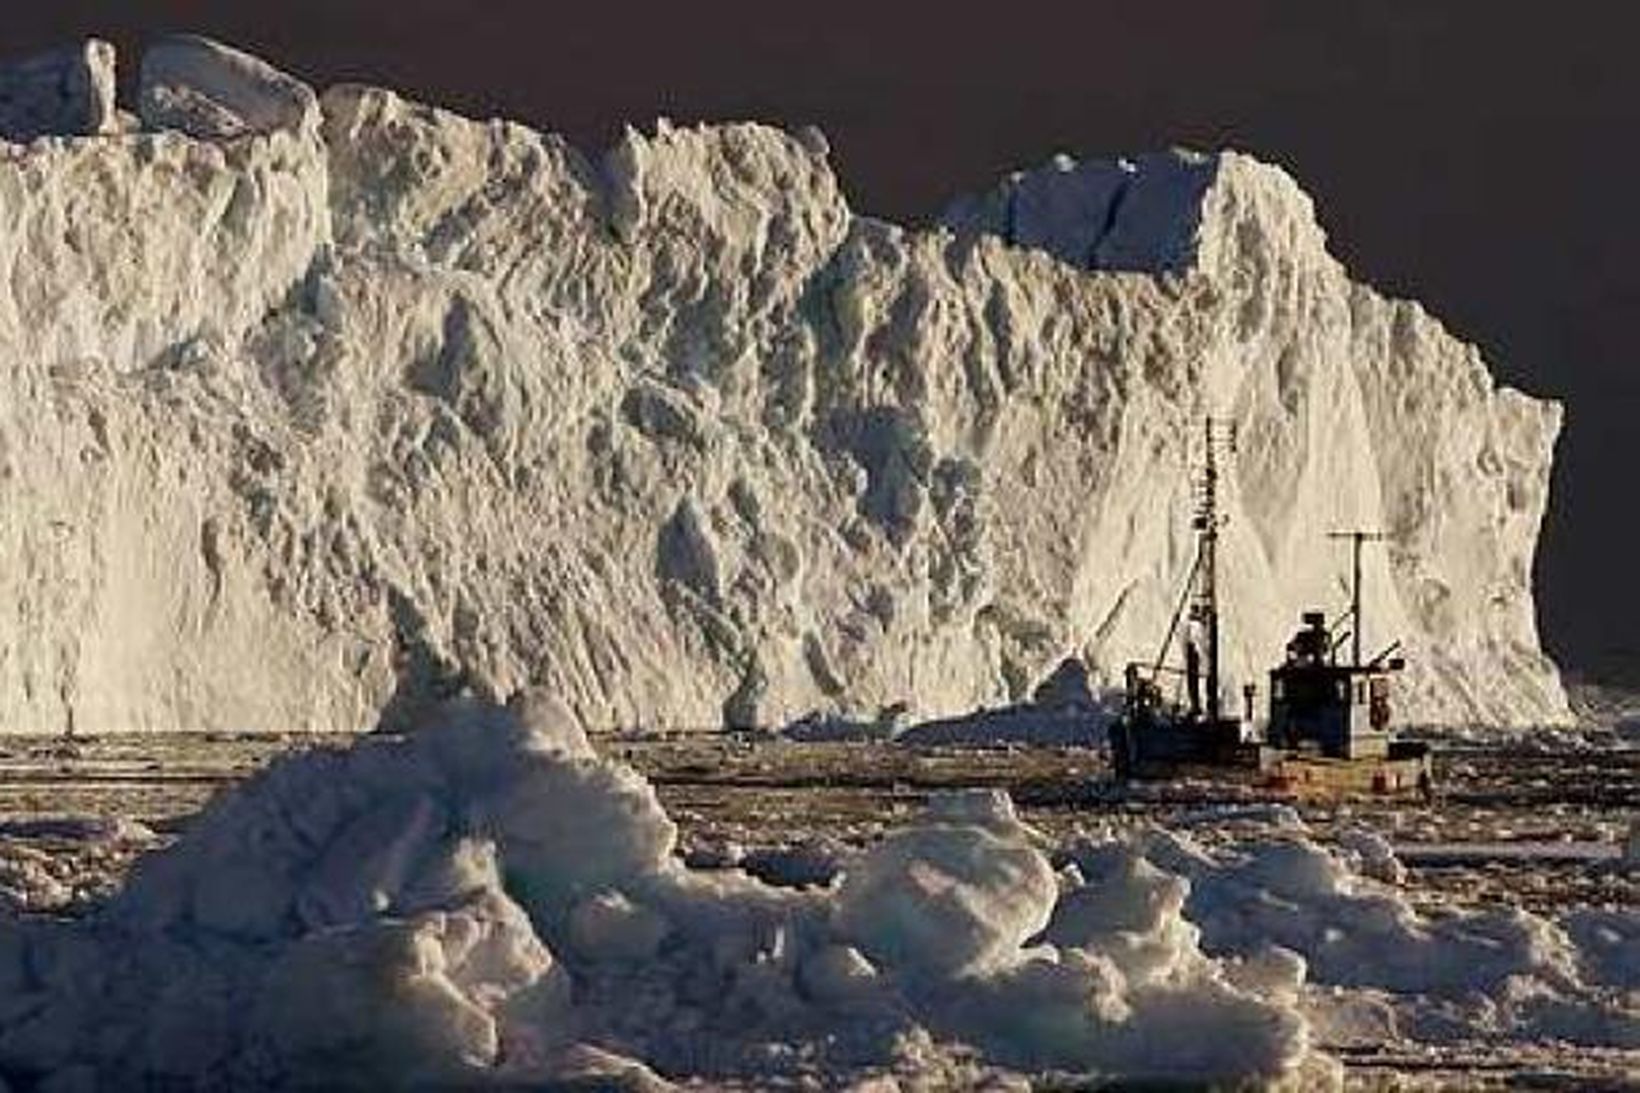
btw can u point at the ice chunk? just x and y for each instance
(991, 809)
(1068, 686)
(839, 975)
(568, 829)
(609, 926)
(476, 743)
(583, 1066)
(1290, 892)
(401, 1003)
(1374, 855)
(1608, 942)
(959, 896)
(1130, 913)
(370, 861)
(213, 92)
(67, 92)
(1075, 1014)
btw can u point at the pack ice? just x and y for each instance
(317, 407)
(486, 903)
(487, 900)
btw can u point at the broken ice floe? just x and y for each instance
(34, 879)
(486, 900)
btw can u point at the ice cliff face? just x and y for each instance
(319, 407)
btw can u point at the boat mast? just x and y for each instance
(1356, 537)
(1207, 522)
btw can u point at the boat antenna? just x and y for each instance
(1356, 538)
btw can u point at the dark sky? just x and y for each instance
(1478, 156)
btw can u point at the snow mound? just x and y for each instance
(337, 404)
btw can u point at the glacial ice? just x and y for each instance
(67, 92)
(213, 92)
(319, 409)
(1143, 216)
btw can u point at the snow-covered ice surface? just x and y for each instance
(315, 405)
(486, 900)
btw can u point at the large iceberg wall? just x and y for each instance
(325, 414)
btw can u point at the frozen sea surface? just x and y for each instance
(841, 916)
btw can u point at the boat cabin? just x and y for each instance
(1339, 711)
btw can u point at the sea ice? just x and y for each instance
(476, 899)
(486, 899)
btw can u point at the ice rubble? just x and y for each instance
(477, 900)
(485, 901)
(1489, 973)
(358, 403)
(64, 863)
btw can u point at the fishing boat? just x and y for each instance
(1328, 725)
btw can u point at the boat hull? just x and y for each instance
(1159, 750)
